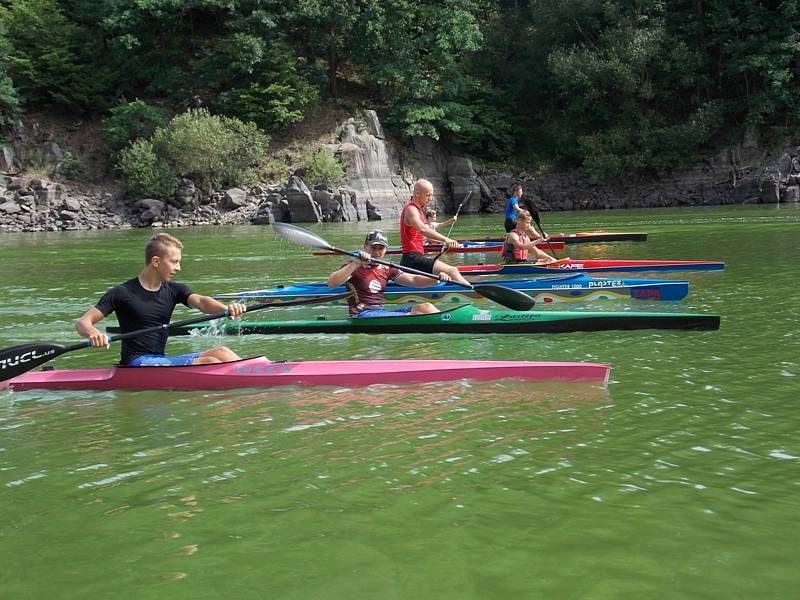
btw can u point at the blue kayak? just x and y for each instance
(565, 288)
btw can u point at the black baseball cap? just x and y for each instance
(376, 236)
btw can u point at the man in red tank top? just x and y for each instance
(414, 230)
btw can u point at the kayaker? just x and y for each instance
(430, 216)
(512, 207)
(148, 300)
(368, 280)
(414, 230)
(518, 242)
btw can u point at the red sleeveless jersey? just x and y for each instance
(411, 239)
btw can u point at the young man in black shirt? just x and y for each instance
(148, 300)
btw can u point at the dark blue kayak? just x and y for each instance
(564, 288)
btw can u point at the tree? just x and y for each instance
(45, 61)
(9, 100)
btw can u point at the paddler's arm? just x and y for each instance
(409, 280)
(513, 238)
(533, 233)
(341, 276)
(412, 219)
(85, 326)
(208, 305)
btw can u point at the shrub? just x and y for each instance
(130, 121)
(274, 169)
(323, 167)
(272, 106)
(70, 167)
(144, 174)
(211, 150)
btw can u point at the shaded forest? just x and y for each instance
(608, 87)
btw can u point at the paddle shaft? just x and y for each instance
(220, 315)
(403, 267)
(458, 210)
(538, 222)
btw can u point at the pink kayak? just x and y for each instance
(261, 373)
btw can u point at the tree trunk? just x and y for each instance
(332, 63)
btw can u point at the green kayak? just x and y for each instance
(468, 319)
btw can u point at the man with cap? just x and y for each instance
(368, 280)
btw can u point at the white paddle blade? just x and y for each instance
(301, 236)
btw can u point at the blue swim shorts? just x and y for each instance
(162, 360)
(382, 312)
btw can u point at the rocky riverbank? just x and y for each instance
(380, 173)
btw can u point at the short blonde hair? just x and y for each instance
(524, 215)
(158, 244)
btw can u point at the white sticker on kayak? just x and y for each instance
(482, 315)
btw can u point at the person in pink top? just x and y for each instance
(368, 280)
(518, 242)
(414, 230)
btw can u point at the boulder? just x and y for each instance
(791, 194)
(72, 204)
(8, 160)
(234, 198)
(185, 195)
(9, 207)
(151, 210)
(770, 190)
(302, 207)
(784, 167)
(374, 126)
(48, 197)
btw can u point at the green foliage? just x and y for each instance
(274, 169)
(211, 150)
(609, 86)
(271, 107)
(70, 167)
(48, 61)
(323, 167)
(130, 121)
(9, 100)
(144, 174)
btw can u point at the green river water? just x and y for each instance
(681, 480)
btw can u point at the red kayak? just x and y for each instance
(592, 266)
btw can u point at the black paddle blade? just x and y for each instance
(19, 359)
(513, 299)
(301, 236)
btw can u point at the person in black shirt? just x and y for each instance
(148, 300)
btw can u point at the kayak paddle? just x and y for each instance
(458, 210)
(535, 215)
(19, 359)
(508, 297)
